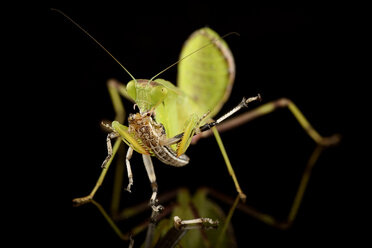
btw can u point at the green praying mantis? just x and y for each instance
(171, 117)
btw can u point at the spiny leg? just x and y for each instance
(189, 131)
(181, 227)
(192, 128)
(269, 108)
(198, 223)
(243, 104)
(320, 140)
(110, 136)
(205, 130)
(154, 186)
(129, 169)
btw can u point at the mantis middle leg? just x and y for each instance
(120, 114)
(321, 142)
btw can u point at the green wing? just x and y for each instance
(175, 110)
(205, 80)
(208, 75)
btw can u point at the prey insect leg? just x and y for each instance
(129, 169)
(110, 136)
(243, 104)
(151, 174)
(269, 108)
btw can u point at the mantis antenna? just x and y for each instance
(188, 55)
(90, 36)
(117, 61)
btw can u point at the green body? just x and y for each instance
(204, 80)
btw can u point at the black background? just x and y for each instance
(298, 53)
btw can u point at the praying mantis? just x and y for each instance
(191, 107)
(153, 131)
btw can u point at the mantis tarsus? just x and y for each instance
(189, 104)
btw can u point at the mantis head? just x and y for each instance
(147, 95)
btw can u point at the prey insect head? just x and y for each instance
(138, 118)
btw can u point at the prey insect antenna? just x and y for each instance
(97, 42)
(188, 55)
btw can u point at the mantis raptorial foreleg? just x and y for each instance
(191, 127)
